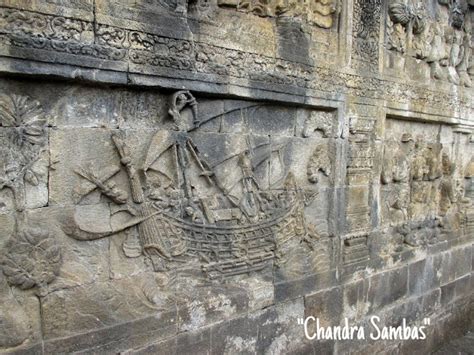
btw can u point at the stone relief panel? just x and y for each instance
(153, 36)
(152, 195)
(235, 48)
(302, 32)
(317, 12)
(422, 182)
(231, 214)
(432, 39)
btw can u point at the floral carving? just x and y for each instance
(31, 259)
(408, 15)
(21, 143)
(365, 30)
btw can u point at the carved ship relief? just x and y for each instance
(172, 224)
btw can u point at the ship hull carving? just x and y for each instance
(227, 235)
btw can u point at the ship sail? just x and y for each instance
(231, 229)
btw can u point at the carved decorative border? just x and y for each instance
(145, 51)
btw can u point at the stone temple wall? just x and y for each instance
(194, 177)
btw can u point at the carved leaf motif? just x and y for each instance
(31, 178)
(32, 259)
(404, 14)
(26, 116)
(16, 111)
(25, 136)
(399, 12)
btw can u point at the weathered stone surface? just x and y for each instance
(238, 335)
(327, 305)
(14, 320)
(113, 315)
(278, 331)
(198, 176)
(212, 305)
(423, 276)
(462, 345)
(7, 222)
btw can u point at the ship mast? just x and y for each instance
(132, 172)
